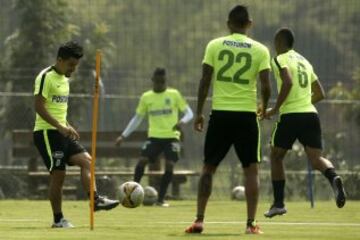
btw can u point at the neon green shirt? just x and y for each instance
(302, 74)
(162, 110)
(236, 60)
(55, 89)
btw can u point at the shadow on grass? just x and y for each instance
(205, 235)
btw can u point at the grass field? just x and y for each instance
(225, 220)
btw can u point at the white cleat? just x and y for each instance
(62, 224)
(273, 211)
(103, 203)
(162, 204)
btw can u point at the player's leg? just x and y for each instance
(55, 195)
(251, 184)
(171, 148)
(164, 183)
(79, 157)
(52, 147)
(277, 156)
(217, 144)
(327, 168)
(248, 152)
(310, 137)
(140, 168)
(150, 151)
(282, 139)
(204, 192)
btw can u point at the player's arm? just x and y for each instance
(318, 92)
(188, 115)
(286, 86)
(130, 128)
(44, 114)
(203, 90)
(265, 89)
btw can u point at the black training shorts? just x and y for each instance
(55, 149)
(153, 147)
(227, 128)
(302, 126)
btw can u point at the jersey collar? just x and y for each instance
(238, 35)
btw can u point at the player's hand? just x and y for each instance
(199, 123)
(270, 112)
(119, 140)
(69, 131)
(177, 126)
(260, 112)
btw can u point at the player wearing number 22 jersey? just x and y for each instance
(233, 63)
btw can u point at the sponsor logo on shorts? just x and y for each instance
(58, 162)
(175, 146)
(145, 145)
(58, 154)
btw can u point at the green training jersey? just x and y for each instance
(302, 75)
(162, 110)
(236, 60)
(55, 89)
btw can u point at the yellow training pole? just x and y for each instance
(93, 139)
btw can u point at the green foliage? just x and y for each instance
(34, 42)
(32, 45)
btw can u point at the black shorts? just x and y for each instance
(227, 128)
(153, 147)
(55, 149)
(302, 126)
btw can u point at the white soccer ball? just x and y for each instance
(238, 193)
(131, 194)
(150, 196)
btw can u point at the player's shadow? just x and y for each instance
(206, 235)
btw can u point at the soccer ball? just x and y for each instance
(150, 196)
(131, 194)
(238, 193)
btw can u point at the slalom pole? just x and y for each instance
(310, 185)
(95, 111)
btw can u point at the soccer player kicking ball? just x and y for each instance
(162, 106)
(55, 139)
(299, 88)
(233, 63)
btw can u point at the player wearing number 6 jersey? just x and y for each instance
(232, 63)
(299, 89)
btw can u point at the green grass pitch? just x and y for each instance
(224, 220)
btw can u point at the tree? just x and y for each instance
(31, 47)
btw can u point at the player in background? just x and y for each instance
(233, 64)
(55, 139)
(299, 89)
(161, 105)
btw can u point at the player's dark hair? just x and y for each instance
(159, 71)
(239, 16)
(287, 35)
(70, 49)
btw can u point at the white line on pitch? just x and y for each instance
(20, 220)
(278, 223)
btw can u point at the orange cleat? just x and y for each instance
(253, 229)
(196, 227)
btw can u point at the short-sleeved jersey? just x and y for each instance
(55, 89)
(162, 110)
(302, 75)
(236, 60)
